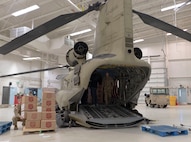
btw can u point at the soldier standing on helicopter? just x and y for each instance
(108, 84)
(95, 80)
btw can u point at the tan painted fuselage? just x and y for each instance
(113, 53)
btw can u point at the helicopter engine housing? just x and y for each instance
(77, 55)
(138, 52)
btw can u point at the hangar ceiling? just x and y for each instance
(53, 8)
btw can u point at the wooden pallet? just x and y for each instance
(4, 127)
(164, 130)
(36, 130)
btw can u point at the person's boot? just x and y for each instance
(15, 128)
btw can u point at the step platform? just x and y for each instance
(4, 127)
(164, 130)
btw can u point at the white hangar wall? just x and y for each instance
(13, 64)
(179, 64)
(170, 62)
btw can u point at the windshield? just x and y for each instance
(159, 91)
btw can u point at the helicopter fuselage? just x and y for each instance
(114, 53)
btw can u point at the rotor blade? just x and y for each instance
(27, 72)
(45, 28)
(147, 19)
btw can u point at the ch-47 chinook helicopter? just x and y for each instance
(114, 53)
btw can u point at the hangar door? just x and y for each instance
(158, 76)
(6, 95)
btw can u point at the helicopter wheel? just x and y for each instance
(62, 119)
(146, 103)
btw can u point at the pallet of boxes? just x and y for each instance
(29, 113)
(38, 121)
(48, 120)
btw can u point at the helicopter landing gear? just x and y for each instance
(72, 124)
(62, 119)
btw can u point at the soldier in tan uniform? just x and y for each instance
(17, 114)
(108, 84)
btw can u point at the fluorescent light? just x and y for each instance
(185, 30)
(175, 6)
(31, 58)
(80, 32)
(139, 40)
(26, 10)
(172, 7)
(25, 56)
(169, 34)
(74, 5)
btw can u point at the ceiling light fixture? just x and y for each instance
(169, 34)
(31, 58)
(175, 6)
(74, 5)
(26, 10)
(139, 40)
(25, 56)
(185, 30)
(80, 32)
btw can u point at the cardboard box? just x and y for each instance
(48, 115)
(48, 108)
(33, 115)
(48, 96)
(28, 107)
(24, 113)
(29, 124)
(49, 90)
(29, 99)
(48, 124)
(49, 103)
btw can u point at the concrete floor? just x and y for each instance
(169, 116)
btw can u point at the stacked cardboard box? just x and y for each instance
(48, 115)
(29, 103)
(29, 112)
(49, 90)
(33, 120)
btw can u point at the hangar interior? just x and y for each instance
(168, 55)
